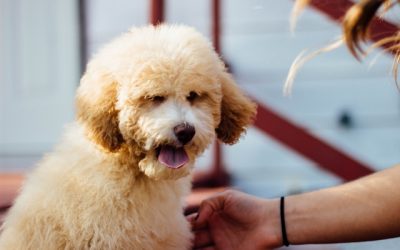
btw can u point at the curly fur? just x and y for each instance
(103, 187)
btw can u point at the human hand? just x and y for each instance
(234, 220)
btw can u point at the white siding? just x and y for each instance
(39, 63)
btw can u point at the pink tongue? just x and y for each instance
(173, 157)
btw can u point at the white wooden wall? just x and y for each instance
(39, 71)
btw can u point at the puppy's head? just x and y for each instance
(163, 93)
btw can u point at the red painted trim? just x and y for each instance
(218, 165)
(83, 34)
(9, 187)
(336, 10)
(306, 144)
(156, 11)
(216, 25)
(333, 9)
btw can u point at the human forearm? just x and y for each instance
(365, 209)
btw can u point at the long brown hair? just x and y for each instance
(355, 25)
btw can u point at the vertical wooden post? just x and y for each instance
(219, 176)
(216, 28)
(83, 41)
(156, 11)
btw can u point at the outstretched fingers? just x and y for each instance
(203, 238)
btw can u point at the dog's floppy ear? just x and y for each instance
(237, 110)
(95, 104)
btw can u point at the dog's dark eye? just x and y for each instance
(192, 96)
(157, 99)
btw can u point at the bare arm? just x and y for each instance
(365, 209)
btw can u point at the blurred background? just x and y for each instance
(342, 120)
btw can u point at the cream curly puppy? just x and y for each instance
(149, 103)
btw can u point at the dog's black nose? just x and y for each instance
(184, 132)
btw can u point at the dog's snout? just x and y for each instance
(184, 132)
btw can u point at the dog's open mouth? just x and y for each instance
(172, 157)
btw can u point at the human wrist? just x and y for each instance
(271, 224)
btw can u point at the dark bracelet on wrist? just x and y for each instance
(285, 240)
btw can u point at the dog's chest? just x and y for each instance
(151, 217)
